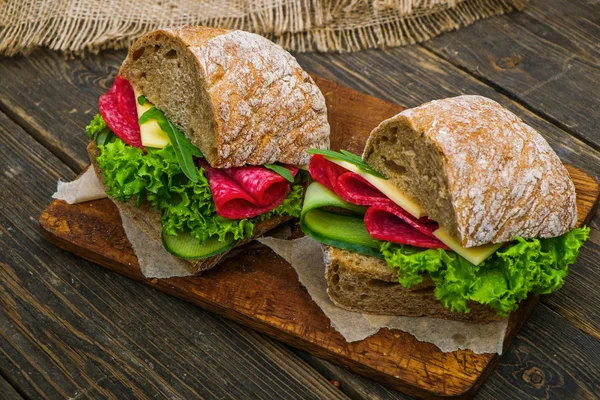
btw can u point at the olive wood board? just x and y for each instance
(260, 290)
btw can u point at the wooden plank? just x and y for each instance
(546, 57)
(549, 359)
(8, 391)
(355, 386)
(70, 329)
(54, 99)
(579, 298)
(285, 312)
(412, 75)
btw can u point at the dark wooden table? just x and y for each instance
(70, 329)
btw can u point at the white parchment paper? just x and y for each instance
(86, 188)
(306, 257)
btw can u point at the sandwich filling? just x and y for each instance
(146, 158)
(344, 209)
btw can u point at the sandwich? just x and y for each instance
(457, 209)
(201, 134)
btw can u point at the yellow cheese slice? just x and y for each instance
(386, 187)
(152, 135)
(474, 255)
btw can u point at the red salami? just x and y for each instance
(324, 171)
(264, 185)
(393, 224)
(242, 194)
(385, 225)
(123, 127)
(355, 189)
(126, 100)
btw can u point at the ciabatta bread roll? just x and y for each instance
(239, 98)
(446, 155)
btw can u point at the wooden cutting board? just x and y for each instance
(258, 289)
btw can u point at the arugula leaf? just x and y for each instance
(283, 171)
(104, 137)
(153, 113)
(344, 155)
(184, 149)
(141, 100)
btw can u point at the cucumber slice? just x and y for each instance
(343, 231)
(318, 196)
(188, 247)
(339, 230)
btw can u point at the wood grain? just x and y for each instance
(237, 291)
(8, 391)
(546, 57)
(538, 364)
(70, 329)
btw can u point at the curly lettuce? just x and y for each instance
(156, 176)
(536, 266)
(96, 126)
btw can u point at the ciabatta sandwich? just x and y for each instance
(206, 127)
(457, 209)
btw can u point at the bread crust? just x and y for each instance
(149, 221)
(503, 178)
(366, 284)
(260, 106)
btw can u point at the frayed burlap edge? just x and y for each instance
(307, 25)
(400, 31)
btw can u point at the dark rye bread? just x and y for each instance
(148, 220)
(366, 284)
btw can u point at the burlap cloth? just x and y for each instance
(78, 26)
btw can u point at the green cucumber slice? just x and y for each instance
(318, 196)
(343, 231)
(338, 230)
(188, 247)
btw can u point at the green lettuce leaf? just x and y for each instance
(536, 266)
(97, 125)
(156, 176)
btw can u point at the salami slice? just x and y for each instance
(357, 190)
(393, 224)
(324, 171)
(121, 126)
(126, 100)
(264, 185)
(242, 194)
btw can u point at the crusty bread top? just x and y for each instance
(501, 177)
(245, 100)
